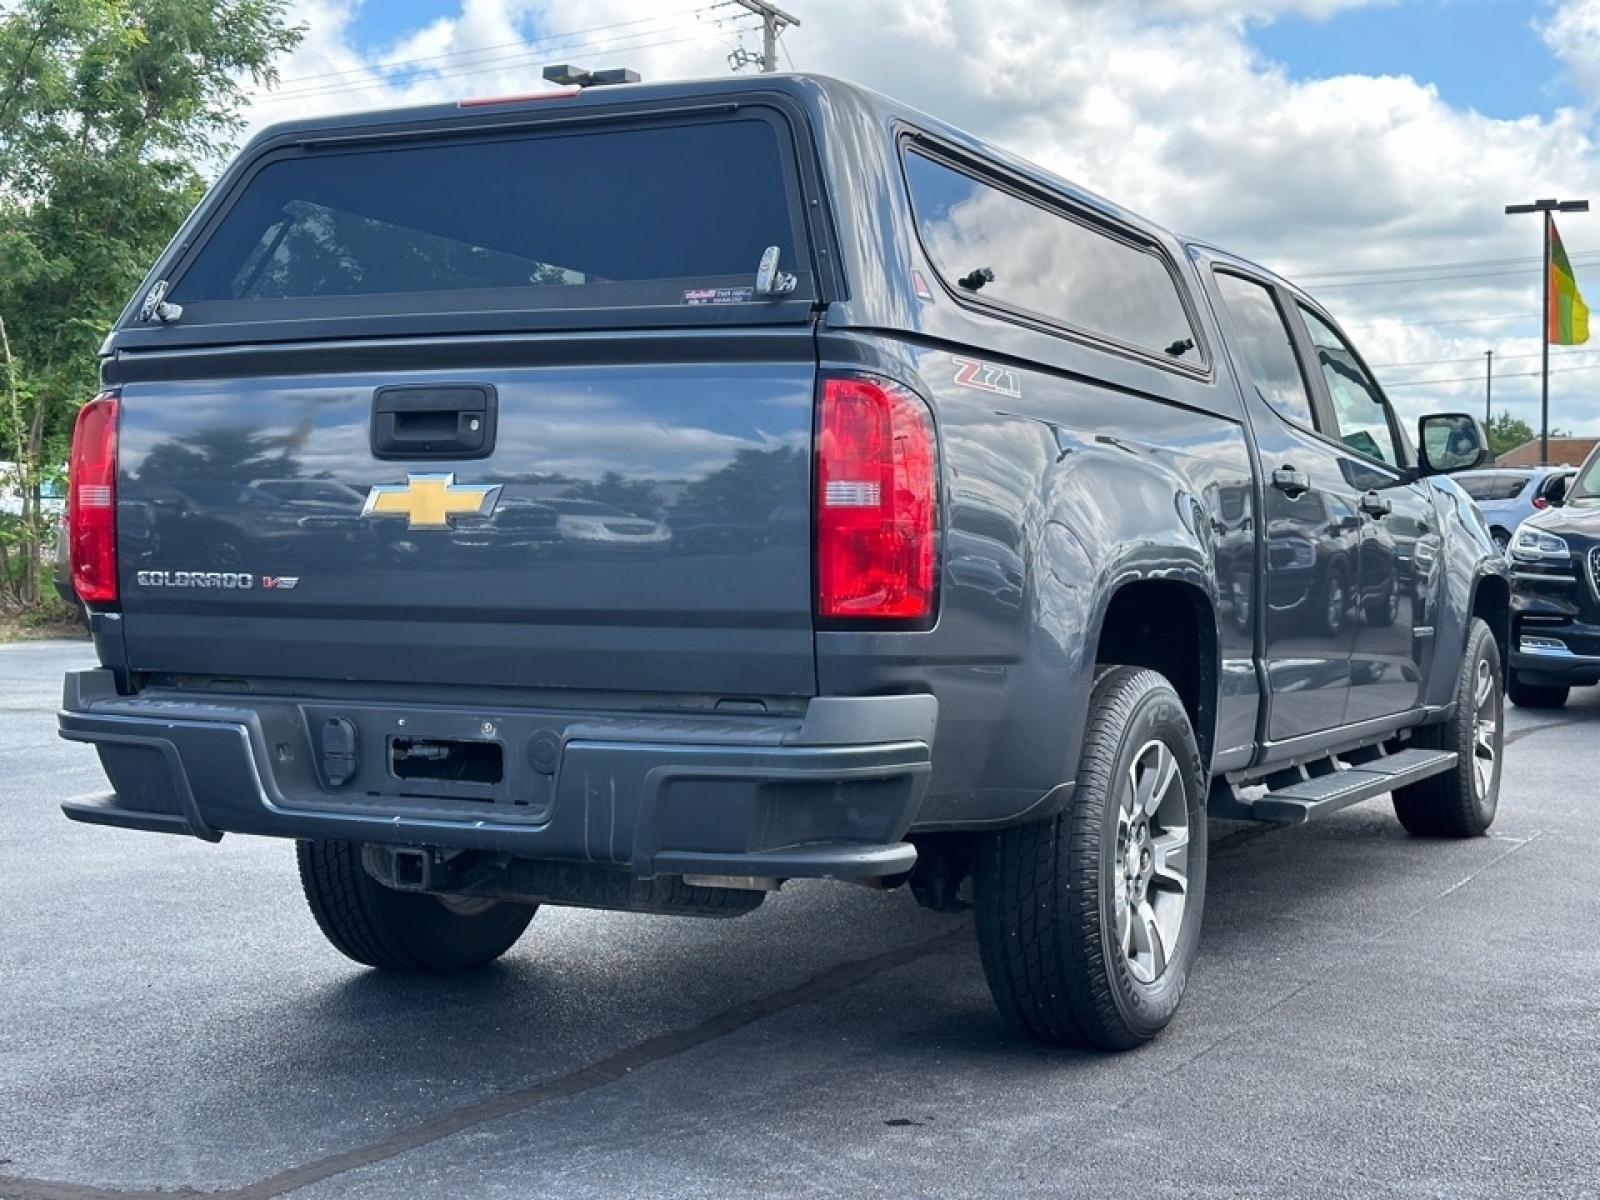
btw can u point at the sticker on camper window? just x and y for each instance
(986, 377)
(734, 295)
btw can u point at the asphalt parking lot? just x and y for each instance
(1372, 1015)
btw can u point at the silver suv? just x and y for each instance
(1507, 496)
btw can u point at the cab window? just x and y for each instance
(1267, 347)
(1359, 409)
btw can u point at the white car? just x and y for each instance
(590, 525)
(52, 491)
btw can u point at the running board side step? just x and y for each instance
(1326, 787)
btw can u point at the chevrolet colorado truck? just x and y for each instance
(638, 497)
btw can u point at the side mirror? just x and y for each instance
(1451, 442)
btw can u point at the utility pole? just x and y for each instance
(1545, 208)
(1488, 388)
(773, 22)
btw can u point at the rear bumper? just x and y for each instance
(829, 793)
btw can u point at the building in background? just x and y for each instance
(1568, 450)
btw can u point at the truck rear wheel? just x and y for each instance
(415, 932)
(1462, 801)
(1088, 923)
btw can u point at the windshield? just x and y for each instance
(1585, 487)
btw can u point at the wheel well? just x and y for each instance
(1170, 628)
(1492, 601)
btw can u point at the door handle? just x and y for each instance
(1290, 482)
(1375, 505)
(414, 422)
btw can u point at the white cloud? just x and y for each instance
(1162, 105)
(1572, 33)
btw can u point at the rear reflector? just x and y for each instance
(92, 502)
(877, 501)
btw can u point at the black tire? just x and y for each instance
(1534, 695)
(1046, 895)
(413, 932)
(1462, 802)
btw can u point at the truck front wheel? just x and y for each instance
(415, 932)
(1088, 923)
(1462, 801)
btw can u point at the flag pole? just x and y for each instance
(1546, 208)
(1544, 347)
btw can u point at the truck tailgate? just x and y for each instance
(638, 526)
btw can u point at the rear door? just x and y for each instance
(1306, 553)
(506, 406)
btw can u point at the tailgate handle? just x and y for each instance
(424, 421)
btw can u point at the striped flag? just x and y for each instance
(1566, 315)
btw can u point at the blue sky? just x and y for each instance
(381, 23)
(1484, 55)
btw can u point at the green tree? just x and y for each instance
(110, 110)
(1506, 433)
(631, 495)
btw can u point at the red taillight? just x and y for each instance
(92, 502)
(877, 501)
(486, 101)
(1540, 502)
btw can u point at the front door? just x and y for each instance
(1397, 583)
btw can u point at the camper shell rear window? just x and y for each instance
(598, 216)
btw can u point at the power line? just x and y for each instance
(1441, 362)
(1422, 277)
(501, 63)
(1479, 378)
(1520, 260)
(509, 62)
(773, 22)
(414, 71)
(521, 44)
(1396, 322)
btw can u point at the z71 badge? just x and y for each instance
(986, 377)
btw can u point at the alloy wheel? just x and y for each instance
(1485, 729)
(1151, 871)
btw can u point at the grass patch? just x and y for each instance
(50, 618)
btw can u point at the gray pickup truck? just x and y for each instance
(638, 497)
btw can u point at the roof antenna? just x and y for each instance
(568, 75)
